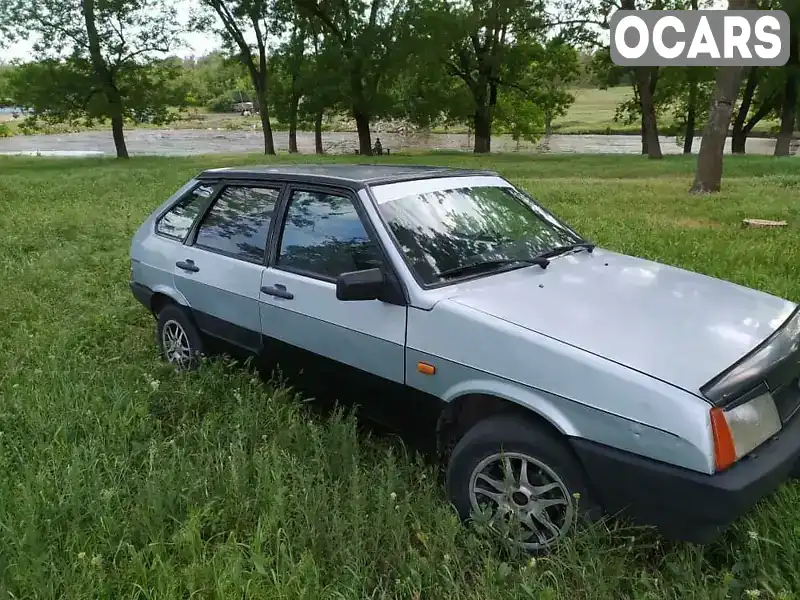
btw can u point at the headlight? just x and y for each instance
(740, 430)
(778, 347)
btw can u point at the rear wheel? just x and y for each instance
(520, 478)
(179, 340)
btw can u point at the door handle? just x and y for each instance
(277, 290)
(187, 265)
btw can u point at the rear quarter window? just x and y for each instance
(178, 220)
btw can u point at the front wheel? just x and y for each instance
(520, 478)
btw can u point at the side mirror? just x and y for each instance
(360, 285)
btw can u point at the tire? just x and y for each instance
(550, 465)
(174, 322)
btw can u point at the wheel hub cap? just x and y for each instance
(524, 493)
(177, 348)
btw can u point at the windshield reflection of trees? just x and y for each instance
(238, 222)
(447, 229)
(324, 235)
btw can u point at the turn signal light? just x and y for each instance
(425, 368)
(724, 449)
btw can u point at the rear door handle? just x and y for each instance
(187, 265)
(277, 290)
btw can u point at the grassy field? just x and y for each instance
(120, 478)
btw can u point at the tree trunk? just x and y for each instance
(483, 131)
(643, 133)
(788, 114)
(106, 76)
(691, 113)
(293, 125)
(364, 139)
(739, 137)
(266, 127)
(318, 134)
(118, 133)
(709, 160)
(649, 121)
(548, 122)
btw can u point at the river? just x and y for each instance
(182, 142)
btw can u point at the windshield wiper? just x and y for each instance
(489, 264)
(588, 246)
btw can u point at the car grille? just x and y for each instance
(787, 399)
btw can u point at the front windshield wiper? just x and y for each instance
(492, 263)
(588, 246)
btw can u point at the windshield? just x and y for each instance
(441, 231)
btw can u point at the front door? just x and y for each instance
(219, 269)
(329, 342)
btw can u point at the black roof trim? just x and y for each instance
(340, 174)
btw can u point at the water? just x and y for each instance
(183, 142)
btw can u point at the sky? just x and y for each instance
(190, 44)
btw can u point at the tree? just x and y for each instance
(539, 94)
(375, 44)
(102, 48)
(292, 75)
(6, 72)
(791, 71)
(485, 45)
(708, 175)
(240, 18)
(761, 97)
(327, 89)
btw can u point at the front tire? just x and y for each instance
(178, 339)
(521, 477)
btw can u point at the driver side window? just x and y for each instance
(323, 237)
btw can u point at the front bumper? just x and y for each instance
(683, 504)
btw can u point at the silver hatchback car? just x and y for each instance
(552, 375)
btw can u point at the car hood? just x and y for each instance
(678, 326)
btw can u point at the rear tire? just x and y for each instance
(543, 494)
(179, 341)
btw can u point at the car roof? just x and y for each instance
(357, 175)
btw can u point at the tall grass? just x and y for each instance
(122, 478)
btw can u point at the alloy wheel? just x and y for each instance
(177, 348)
(526, 495)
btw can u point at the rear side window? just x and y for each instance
(177, 221)
(238, 222)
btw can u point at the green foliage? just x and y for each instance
(374, 42)
(5, 91)
(98, 59)
(211, 77)
(539, 94)
(66, 91)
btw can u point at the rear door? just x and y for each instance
(322, 233)
(219, 269)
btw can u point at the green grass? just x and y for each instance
(593, 113)
(120, 478)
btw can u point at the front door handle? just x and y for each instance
(277, 290)
(187, 265)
